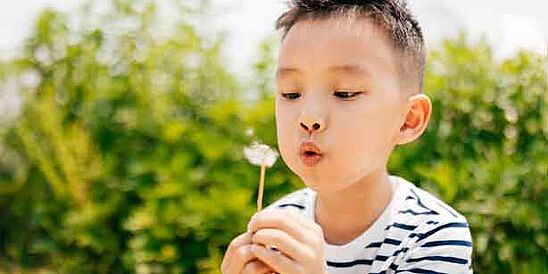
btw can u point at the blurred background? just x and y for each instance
(122, 124)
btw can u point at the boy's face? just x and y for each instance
(320, 64)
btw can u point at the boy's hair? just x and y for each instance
(392, 16)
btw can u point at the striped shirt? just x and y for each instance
(416, 233)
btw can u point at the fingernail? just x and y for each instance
(250, 222)
(249, 227)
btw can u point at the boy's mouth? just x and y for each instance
(309, 147)
(310, 153)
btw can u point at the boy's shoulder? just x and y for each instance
(418, 203)
(435, 235)
(422, 216)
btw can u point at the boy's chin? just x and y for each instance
(322, 185)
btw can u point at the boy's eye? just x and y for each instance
(291, 96)
(345, 94)
(340, 94)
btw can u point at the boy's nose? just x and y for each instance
(316, 126)
(313, 115)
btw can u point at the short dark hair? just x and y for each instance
(393, 16)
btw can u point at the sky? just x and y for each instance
(507, 26)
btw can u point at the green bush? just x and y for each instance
(126, 155)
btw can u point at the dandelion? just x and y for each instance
(263, 156)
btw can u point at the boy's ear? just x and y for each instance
(416, 118)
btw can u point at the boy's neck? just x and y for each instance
(345, 215)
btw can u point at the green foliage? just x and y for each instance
(126, 155)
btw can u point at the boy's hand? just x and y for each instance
(300, 242)
(239, 259)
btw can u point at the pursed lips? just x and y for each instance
(310, 148)
(310, 155)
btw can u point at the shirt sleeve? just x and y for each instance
(446, 248)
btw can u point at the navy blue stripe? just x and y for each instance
(349, 264)
(422, 236)
(431, 222)
(386, 241)
(402, 226)
(384, 258)
(420, 270)
(447, 242)
(375, 244)
(359, 262)
(448, 259)
(392, 241)
(419, 201)
(381, 258)
(294, 205)
(401, 250)
(431, 212)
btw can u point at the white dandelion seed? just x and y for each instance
(249, 132)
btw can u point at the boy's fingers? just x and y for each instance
(244, 238)
(311, 225)
(285, 243)
(256, 267)
(237, 254)
(275, 260)
(277, 219)
(293, 224)
(235, 261)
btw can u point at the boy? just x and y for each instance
(349, 83)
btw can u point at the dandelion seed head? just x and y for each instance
(260, 154)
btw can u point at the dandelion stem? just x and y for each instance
(261, 189)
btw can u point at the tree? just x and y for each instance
(126, 154)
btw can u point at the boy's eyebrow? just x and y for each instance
(348, 69)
